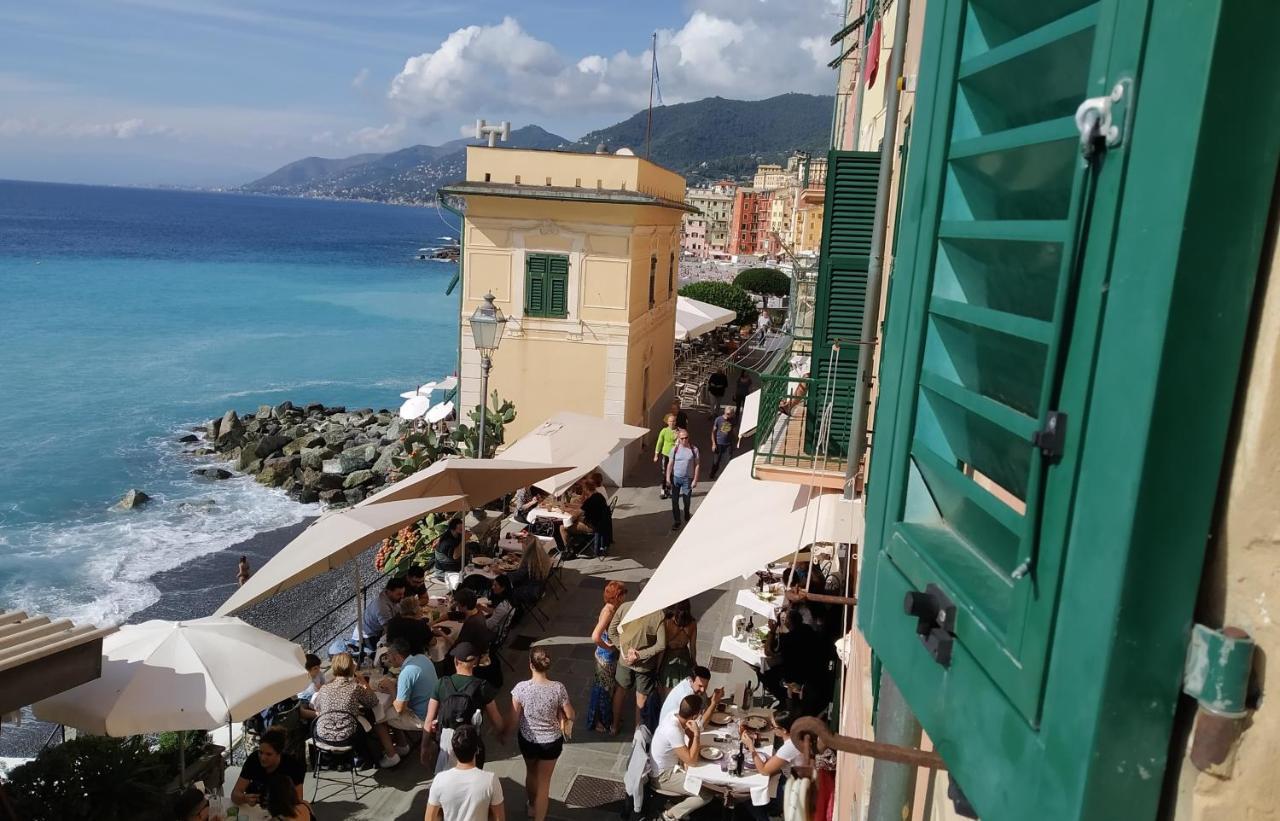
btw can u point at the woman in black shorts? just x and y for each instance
(541, 709)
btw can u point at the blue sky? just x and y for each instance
(212, 92)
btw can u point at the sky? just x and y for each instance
(220, 92)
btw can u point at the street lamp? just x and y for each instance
(487, 324)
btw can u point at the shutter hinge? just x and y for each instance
(1103, 121)
(1052, 435)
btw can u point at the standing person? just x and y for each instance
(243, 571)
(722, 437)
(465, 792)
(604, 713)
(676, 746)
(639, 645)
(662, 450)
(716, 385)
(461, 698)
(742, 389)
(682, 475)
(270, 758)
(540, 708)
(681, 655)
(682, 418)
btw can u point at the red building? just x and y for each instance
(749, 231)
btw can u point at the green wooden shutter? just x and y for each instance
(841, 292)
(653, 277)
(1027, 287)
(558, 286)
(535, 284)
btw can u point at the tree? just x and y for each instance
(763, 282)
(112, 779)
(724, 295)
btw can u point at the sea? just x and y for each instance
(129, 316)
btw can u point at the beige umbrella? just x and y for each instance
(479, 480)
(332, 541)
(175, 676)
(571, 439)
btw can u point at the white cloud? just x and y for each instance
(128, 129)
(726, 48)
(362, 77)
(377, 138)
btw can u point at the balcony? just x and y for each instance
(794, 437)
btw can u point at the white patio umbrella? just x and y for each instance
(476, 481)
(423, 390)
(695, 317)
(439, 412)
(175, 676)
(742, 526)
(332, 541)
(415, 407)
(571, 439)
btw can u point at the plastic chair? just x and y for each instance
(338, 756)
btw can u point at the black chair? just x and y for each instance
(338, 755)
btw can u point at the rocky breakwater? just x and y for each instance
(314, 453)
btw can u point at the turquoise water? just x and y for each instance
(127, 316)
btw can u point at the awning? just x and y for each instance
(31, 646)
(479, 481)
(741, 526)
(695, 318)
(750, 414)
(571, 439)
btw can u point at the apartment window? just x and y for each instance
(486, 176)
(546, 285)
(517, 179)
(671, 274)
(653, 276)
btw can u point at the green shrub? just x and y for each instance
(107, 779)
(763, 281)
(724, 295)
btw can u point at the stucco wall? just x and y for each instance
(1241, 584)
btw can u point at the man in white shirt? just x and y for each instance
(695, 685)
(675, 747)
(465, 792)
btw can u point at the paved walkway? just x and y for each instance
(643, 536)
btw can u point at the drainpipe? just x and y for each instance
(875, 267)
(893, 785)
(457, 277)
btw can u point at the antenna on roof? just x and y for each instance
(653, 82)
(501, 131)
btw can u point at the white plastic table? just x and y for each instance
(760, 787)
(747, 598)
(742, 650)
(543, 513)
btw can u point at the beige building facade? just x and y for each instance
(580, 252)
(715, 206)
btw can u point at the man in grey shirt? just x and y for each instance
(640, 645)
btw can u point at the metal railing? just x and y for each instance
(309, 631)
(794, 425)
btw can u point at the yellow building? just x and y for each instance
(770, 176)
(807, 221)
(580, 251)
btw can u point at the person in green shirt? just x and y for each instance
(662, 450)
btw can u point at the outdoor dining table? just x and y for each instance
(440, 646)
(564, 516)
(750, 599)
(720, 772)
(748, 651)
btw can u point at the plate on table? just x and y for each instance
(755, 723)
(720, 719)
(482, 561)
(444, 630)
(711, 753)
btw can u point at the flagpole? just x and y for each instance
(653, 73)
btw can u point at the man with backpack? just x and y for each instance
(682, 476)
(459, 699)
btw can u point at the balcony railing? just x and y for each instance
(793, 432)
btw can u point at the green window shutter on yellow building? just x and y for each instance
(546, 285)
(1037, 283)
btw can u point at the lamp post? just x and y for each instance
(487, 324)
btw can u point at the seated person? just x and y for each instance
(597, 515)
(501, 602)
(526, 499)
(384, 607)
(474, 630)
(339, 705)
(317, 681)
(190, 805)
(779, 763)
(282, 803)
(412, 688)
(415, 579)
(449, 547)
(251, 787)
(676, 746)
(417, 632)
(695, 685)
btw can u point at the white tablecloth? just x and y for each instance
(747, 598)
(542, 513)
(441, 645)
(744, 651)
(760, 787)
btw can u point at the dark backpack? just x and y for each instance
(458, 707)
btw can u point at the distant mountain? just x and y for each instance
(410, 175)
(714, 138)
(704, 140)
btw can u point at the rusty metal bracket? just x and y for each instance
(814, 730)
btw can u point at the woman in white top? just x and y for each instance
(541, 709)
(780, 762)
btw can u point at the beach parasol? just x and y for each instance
(571, 439)
(439, 412)
(415, 407)
(423, 390)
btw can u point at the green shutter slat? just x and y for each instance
(991, 526)
(1012, 230)
(1063, 128)
(558, 301)
(1018, 424)
(1005, 53)
(1001, 322)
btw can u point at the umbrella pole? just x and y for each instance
(182, 759)
(359, 608)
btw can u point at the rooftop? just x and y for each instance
(563, 194)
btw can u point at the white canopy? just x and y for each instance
(480, 481)
(741, 526)
(188, 675)
(571, 439)
(415, 407)
(694, 317)
(423, 390)
(750, 414)
(439, 412)
(447, 384)
(332, 541)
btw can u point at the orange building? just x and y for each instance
(750, 231)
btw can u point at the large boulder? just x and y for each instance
(274, 476)
(332, 497)
(308, 495)
(264, 412)
(332, 466)
(269, 444)
(214, 473)
(188, 439)
(302, 442)
(314, 409)
(247, 457)
(340, 418)
(359, 457)
(393, 430)
(197, 505)
(314, 457)
(229, 426)
(358, 478)
(282, 410)
(386, 459)
(353, 495)
(133, 499)
(336, 437)
(211, 429)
